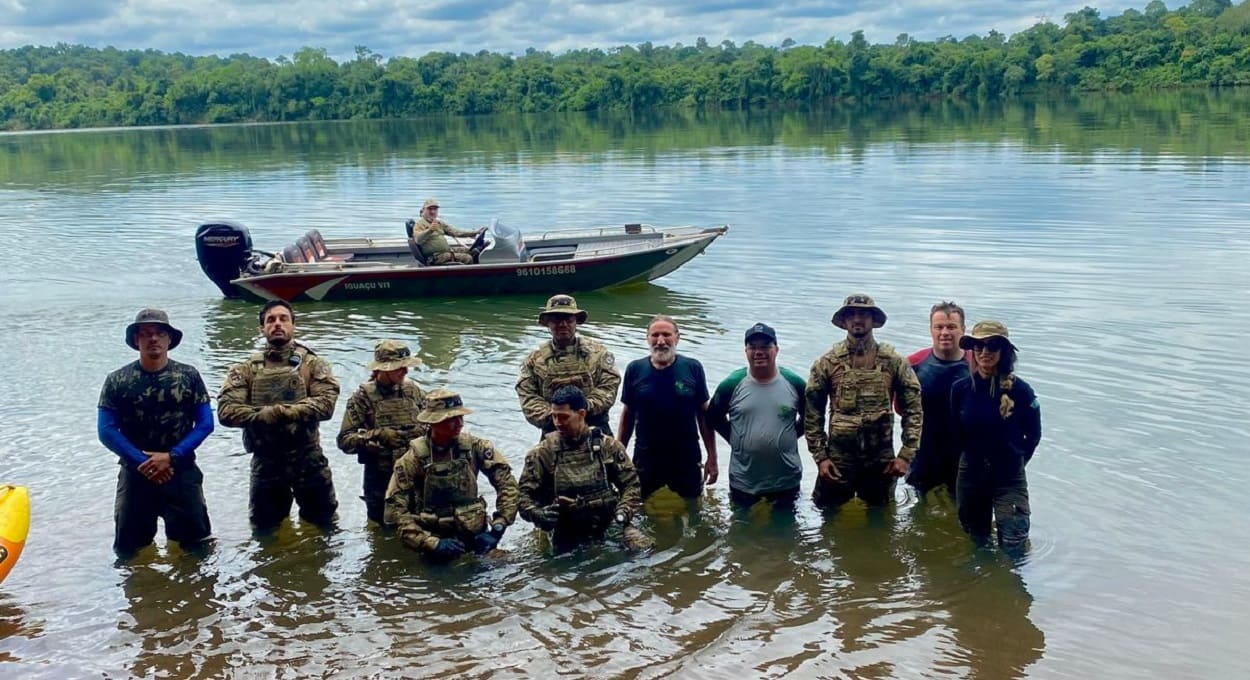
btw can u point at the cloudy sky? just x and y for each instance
(269, 28)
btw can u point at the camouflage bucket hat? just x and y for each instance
(858, 301)
(158, 317)
(562, 304)
(430, 202)
(389, 355)
(984, 330)
(440, 405)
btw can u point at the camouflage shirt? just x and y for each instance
(865, 414)
(357, 434)
(297, 428)
(154, 410)
(538, 478)
(585, 363)
(405, 501)
(431, 236)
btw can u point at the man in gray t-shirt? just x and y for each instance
(759, 411)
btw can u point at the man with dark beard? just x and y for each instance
(279, 396)
(665, 396)
(860, 379)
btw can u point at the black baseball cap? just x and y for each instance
(761, 329)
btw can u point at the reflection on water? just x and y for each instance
(1109, 233)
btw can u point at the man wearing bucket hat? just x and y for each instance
(381, 419)
(153, 413)
(433, 496)
(859, 379)
(430, 233)
(998, 424)
(567, 359)
(279, 396)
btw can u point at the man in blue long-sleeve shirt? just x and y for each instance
(153, 413)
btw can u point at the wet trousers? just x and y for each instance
(1000, 492)
(179, 502)
(301, 476)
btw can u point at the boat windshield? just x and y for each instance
(507, 239)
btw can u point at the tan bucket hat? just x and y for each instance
(158, 317)
(389, 355)
(562, 304)
(440, 405)
(984, 330)
(858, 301)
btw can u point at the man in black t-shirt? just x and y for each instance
(938, 367)
(665, 397)
(153, 413)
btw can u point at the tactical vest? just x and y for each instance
(398, 411)
(279, 385)
(569, 368)
(860, 415)
(582, 474)
(431, 240)
(449, 488)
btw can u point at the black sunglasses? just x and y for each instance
(991, 345)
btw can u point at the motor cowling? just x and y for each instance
(223, 249)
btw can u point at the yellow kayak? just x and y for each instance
(14, 524)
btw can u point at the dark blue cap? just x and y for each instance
(761, 329)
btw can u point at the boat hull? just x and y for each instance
(572, 275)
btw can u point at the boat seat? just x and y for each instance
(292, 254)
(319, 248)
(306, 247)
(416, 253)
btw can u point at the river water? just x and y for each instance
(1109, 233)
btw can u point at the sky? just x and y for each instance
(391, 28)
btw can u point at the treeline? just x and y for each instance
(1205, 43)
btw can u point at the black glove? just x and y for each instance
(449, 549)
(546, 518)
(488, 540)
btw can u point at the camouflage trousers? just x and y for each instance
(377, 477)
(861, 473)
(179, 502)
(302, 476)
(441, 259)
(997, 491)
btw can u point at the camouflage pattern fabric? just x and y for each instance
(431, 238)
(593, 472)
(860, 417)
(279, 398)
(450, 257)
(859, 389)
(586, 363)
(379, 423)
(428, 499)
(156, 410)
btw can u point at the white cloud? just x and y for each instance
(267, 28)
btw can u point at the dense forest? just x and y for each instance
(1205, 43)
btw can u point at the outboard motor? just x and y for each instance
(224, 250)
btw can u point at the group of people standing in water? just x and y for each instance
(968, 423)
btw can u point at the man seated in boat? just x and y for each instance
(429, 235)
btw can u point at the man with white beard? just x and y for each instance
(665, 397)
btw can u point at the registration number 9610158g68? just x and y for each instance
(548, 270)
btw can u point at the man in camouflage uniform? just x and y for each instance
(578, 481)
(381, 420)
(433, 496)
(279, 396)
(860, 379)
(430, 233)
(153, 413)
(568, 359)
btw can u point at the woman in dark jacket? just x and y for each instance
(998, 424)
